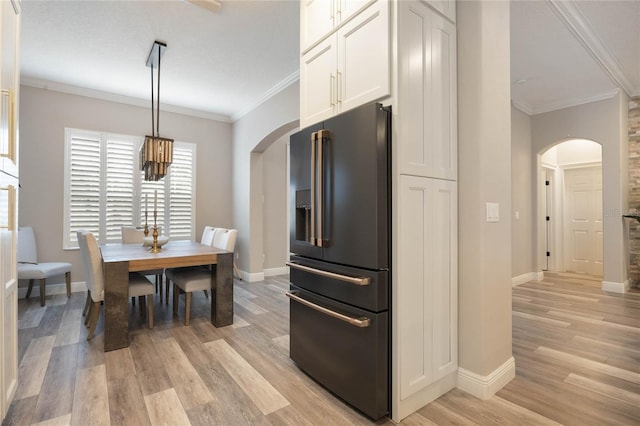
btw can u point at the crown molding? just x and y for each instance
(523, 107)
(288, 81)
(112, 97)
(571, 16)
(580, 100)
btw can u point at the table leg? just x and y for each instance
(222, 295)
(116, 305)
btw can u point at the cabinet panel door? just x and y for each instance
(363, 57)
(446, 7)
(317, 19)
(317, 82)
(427, 282)
(427, 98)
(348, 8)
(443, 237)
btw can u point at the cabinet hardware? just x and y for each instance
(358, 322)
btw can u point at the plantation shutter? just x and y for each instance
(182, 191)
(84, 185)
(119, 186)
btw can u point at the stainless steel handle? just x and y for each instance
(314, 136)
(332, 85)
(358, 322)
(320, 186)
(345, 278)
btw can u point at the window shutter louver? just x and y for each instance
(182, 192)
(119, 183)
(84, 191)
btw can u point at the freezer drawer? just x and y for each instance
(350, 359)
(361, 288)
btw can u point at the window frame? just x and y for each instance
(137, 209)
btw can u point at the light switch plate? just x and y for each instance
(493, 212)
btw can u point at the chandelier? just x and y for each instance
(156, 153)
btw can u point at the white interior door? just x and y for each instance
(583, 220)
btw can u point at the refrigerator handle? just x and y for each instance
(314, 136)
(322, 273)
(319, 183)
(358, 322)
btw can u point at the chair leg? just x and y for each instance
(235, 269)
(95, 313)
(175, 299)
(67, 278)
(166, 289)
(187, 307)
(87, 304)
(29, 289)
(150, 310)
(42, 292)
(159, 285)
(143, 306)
(133, 301)
(206, 293)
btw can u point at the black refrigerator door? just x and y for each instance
(300, 193)
(356, 188)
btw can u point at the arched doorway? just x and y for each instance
(570, 214)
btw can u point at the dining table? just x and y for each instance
(121, 259)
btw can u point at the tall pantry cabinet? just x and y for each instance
(9, 82)
(401, 53)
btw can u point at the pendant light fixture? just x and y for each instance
(156, 153)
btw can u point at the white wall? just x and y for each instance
(255, 131)
(44, 115)
(574, 151)
(601, 122)
(522, 191)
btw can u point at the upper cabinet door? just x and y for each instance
(363, 57)
(9, 77)
(427, 92)
(317, 19)
(318, 74)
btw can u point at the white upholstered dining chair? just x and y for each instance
(188, 280)
(30, 269)
(139, 286)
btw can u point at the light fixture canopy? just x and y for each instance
(156, 153)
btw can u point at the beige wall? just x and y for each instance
(44, 115)
(484, 155)
(601, 122)
(522, 194)
(253, 133)
(275, 183)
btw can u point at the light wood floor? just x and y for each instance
(577, 353)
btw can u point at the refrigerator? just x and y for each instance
(340, 265)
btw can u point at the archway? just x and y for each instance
(570, 207)
(267, 216)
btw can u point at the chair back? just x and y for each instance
(225, 239)
(207, 235)
(92, 261)
(27, 252)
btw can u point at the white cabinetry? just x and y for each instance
(348, 68)
(427, 92)
(9, 83)
(319, 17)
(426, 295)
(446, 7)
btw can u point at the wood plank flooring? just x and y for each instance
(577, 352)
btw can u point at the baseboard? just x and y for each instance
(52, 289)
(271, 272)
(525, 278)
(615, 287)
(539, 276)
(484, 387)
(252, 277)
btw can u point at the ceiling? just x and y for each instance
(222, 64)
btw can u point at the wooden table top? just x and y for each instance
(173, 254)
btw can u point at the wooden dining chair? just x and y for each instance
(188, 280)
(30, 269)
(139, 286)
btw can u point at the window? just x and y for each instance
(105, 189)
